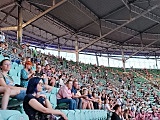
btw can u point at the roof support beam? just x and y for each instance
(1, 21)
(129, 21)
(7, 5)
(43, 13)
(8, 28)
(35, 18)
(141, 49)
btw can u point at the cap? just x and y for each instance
(28, 63)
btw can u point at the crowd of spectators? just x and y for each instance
(81, 86)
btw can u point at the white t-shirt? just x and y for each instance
(120, 101)
(107, 107)
(45, 62)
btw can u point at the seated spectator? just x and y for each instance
(107, 106)
(86, 101)
(141, 115)
(26, 74)
(46, 61)
(52, 82)
(47, 71)
(117, 113)
(95, 102)
(76, 96)
(2, 45)
(39, 73)
(6, 81)
(36, 105)
(127, 115)
(64, 95)
(5, 98)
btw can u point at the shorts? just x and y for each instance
(21, 95)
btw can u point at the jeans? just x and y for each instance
(72, 103)
(79, 102)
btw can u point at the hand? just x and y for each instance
(64, 116)
(42, 95)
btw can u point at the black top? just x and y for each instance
(115, 117)
(31, 112)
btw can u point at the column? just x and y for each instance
(76, 50)
(20, 22)
(123, 60)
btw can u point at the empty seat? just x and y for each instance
(16, 117)
(53, 100)
(16, 79)
(8, 113)
(13, 72)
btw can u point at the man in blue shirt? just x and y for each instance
(74, 94)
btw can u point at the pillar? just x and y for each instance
(97, 59)
(76, 50)
(20, 22)
(123, 61)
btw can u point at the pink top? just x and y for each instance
(64, 92)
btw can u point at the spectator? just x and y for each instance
(75, 96)
(107, 106)
(36, 105)
(6, 81)
(26, 74)
(116, 114)
(5, 98)
(86, 100)
(65, 96)
(2, 45)
(127, 115)
(46, 61)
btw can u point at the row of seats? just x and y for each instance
(71, 114)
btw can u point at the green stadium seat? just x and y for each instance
(65, 112)
(16, 117)
(1, 57)
(14, 64)
(13, 72)
(71, 115)
(8, 113)
(16, 79)
(1, 118)
(53, 100)
(77, 114)
(54, 90)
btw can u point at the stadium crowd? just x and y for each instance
(81, 86)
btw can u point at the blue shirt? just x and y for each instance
(74, 90)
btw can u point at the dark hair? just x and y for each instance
(69, 81)
(32, 85)
(116, 107)
(1, 63)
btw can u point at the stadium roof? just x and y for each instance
(99, 26)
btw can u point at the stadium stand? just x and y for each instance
(118, 85)
(96, 90)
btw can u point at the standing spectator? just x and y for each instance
(65, 96)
